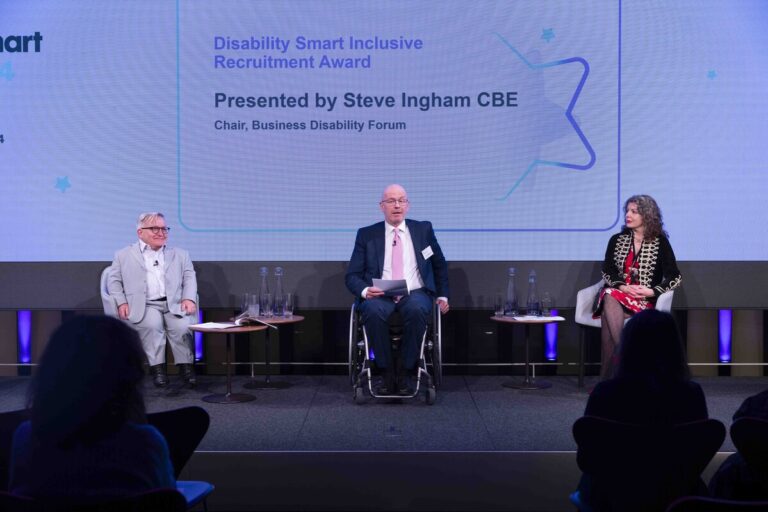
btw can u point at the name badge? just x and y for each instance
(427, 253)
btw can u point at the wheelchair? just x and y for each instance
(360, 362)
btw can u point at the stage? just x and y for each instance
(481, 446)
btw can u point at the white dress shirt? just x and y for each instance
(410, 269)
(154, 262)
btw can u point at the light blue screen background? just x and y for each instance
(116, 116)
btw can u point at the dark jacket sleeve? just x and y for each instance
(355, 277)
(439, 266)
(670, 274)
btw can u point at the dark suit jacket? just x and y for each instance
(367, 261)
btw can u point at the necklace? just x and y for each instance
(637, 246)
(638, 238)
(634, 264)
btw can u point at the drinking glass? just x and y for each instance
(266, 305)
(288, 304)
(250, 304)
(547, 303)
(498, 306)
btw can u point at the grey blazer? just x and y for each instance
(127, 281)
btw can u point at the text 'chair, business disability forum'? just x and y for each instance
(360, 360)
(585, 301)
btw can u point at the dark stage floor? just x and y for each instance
(473, 413)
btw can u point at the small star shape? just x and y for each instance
(711, 74)
(62, 183)
(547, 34)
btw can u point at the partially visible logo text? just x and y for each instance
(21, 44)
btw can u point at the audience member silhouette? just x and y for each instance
(652, 384)
(87, 439)
(735, 479)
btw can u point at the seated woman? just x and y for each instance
(639, 266)
(652, 385)
(87, 439)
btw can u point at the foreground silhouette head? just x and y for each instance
(88, 383)
(651, 349)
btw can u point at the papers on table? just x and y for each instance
(531, 318)
(244, 319)
(392, 287)
(216, 325)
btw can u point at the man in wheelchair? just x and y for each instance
(397, 249)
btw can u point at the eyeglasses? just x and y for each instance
(393, 202)
(156, 229)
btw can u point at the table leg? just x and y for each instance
(528, 382)
(229, 397)
(267, 384)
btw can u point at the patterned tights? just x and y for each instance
(612, 319)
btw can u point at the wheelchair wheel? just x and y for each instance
(437, 365)
(431, 395)
(353, 370)
(360, 397)
(354, 363)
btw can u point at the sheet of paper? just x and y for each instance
(530, 318)
(392, 287)
(216, 325)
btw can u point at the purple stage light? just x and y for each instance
(550, 339)
(24, 329)
(199, 338)
(725, 320)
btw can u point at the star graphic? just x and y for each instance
(711, 74)
(62, 183)
(547, 34)
(568, 115)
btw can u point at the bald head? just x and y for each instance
(394, 204)
(394, 190)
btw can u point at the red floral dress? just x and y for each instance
(631, 304)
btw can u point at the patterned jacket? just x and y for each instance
(658, 266)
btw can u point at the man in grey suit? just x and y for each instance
(155, 288)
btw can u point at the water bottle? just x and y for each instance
(265, 298)
(510, 306)
(532, 304)
(279, 309)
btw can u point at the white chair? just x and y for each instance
(585, 300)
(110, 307)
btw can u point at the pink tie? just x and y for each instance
(397, 259)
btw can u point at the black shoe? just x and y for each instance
(158, 375)
(405, 385)
(187, 372)
(387, 386)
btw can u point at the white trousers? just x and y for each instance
(159, 323)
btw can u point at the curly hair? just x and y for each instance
(651, 213)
